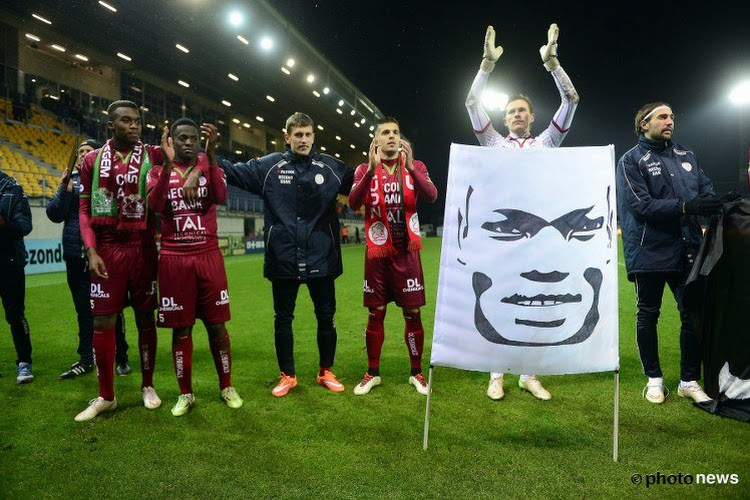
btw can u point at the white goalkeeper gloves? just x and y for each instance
(549, 51)
(491, 52)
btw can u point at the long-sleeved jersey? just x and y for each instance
(552, 136)
(186, 228)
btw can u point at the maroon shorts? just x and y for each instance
(132, 279)
(398, 279)
(192, 286)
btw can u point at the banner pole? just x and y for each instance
(427, 411)
(616, 431)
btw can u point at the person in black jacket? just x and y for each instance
(299, 189)
(661, 191)
(63, 207)
(15, 223)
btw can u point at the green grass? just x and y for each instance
(316, 444)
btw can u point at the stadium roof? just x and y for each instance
(234, 54)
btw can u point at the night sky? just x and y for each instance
(416, 61)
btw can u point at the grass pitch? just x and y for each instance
(314, 443)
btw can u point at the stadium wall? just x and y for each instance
(105, 82)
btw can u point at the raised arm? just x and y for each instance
(563, 118)
(422, 183)
(480, 122)
(158, 177)
(60, 204)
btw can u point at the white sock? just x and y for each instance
(684, 384)
(657, 381)
(524, 378)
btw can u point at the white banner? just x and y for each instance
(528, 271)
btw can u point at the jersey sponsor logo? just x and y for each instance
(680, 152)
(687, 166)
(414, 224)
(654, 168)
(187, 223)
(285, 176)
(378, 233)
(169, 304)
(224, 298)
(97, 292)
(319, 179)
(413, 285)
(366, 288)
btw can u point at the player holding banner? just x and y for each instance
(519, 115)
(192, 279)
(389, 186)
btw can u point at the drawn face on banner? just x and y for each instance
(536, 264)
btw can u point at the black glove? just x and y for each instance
(731, 196)
(704, 204)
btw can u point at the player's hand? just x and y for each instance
(96, 265)
(408, 155)
(66, 181)
(73, 159)
(190, 188)
(212, 136)
(491, 52)
(167, 148)
(549, 51)
(374, 156)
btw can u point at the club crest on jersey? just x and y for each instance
(378, 233)
(687, 166)
(202, 181)
(319, 179)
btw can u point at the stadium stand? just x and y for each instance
(35, 156)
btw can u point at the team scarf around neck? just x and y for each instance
(377, 228)
(122, 205)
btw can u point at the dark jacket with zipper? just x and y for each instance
(64, 208)
(14, 208)
(654, 180)
(301, 226)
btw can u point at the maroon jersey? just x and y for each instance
(186, 228)
(392, 192)
(109, 235)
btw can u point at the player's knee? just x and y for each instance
(182, 332)
(144, 319)
(215, 329)
(105, 322)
